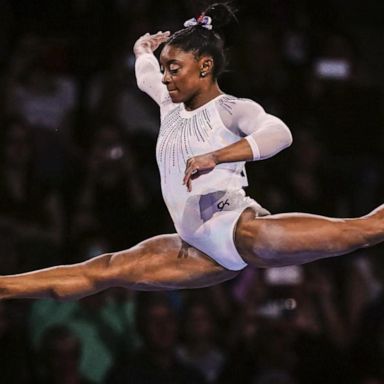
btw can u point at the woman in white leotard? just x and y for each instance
(205, 213)
(206, 136)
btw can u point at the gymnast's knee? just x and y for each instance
(100, 270)
(121, 268)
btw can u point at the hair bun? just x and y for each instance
(221, 14)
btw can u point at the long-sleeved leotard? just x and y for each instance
(206, 216)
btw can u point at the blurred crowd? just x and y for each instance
(78, 177)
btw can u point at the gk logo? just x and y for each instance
(222, 204)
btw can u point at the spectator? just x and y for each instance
(113, 94)
(28, 206)
(199, 349)
(112, 197)
(104, 325)
(156, 362)
(16, 358)
(60, 358)
(38, 89)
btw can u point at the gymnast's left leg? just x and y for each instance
(160, 263)
(298, 238)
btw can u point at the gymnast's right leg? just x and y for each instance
(160, 263)
(298, 238)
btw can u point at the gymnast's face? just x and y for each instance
(182, 73)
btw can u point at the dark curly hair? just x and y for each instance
(202, 41)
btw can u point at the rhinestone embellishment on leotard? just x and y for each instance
(179, 138)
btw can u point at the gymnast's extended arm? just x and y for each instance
(261, 136)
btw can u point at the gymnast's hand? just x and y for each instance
(198, 165)
(149, 43)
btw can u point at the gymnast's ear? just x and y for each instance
(206, 65)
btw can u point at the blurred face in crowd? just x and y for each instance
(64, 354)
(61, 351)
(199, 325)
(160, 329)
(108, 144)
(110, 156)
(182, 73)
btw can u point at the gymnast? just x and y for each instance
(206, 136)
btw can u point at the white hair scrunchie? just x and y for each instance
(204, 21)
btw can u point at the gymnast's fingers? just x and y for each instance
(191, 172)
(160, 37)
(151, 42)
(187, 180)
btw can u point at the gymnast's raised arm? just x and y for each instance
(147, 68)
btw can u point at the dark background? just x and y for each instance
(78, 178)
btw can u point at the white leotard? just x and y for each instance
(184, 134)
